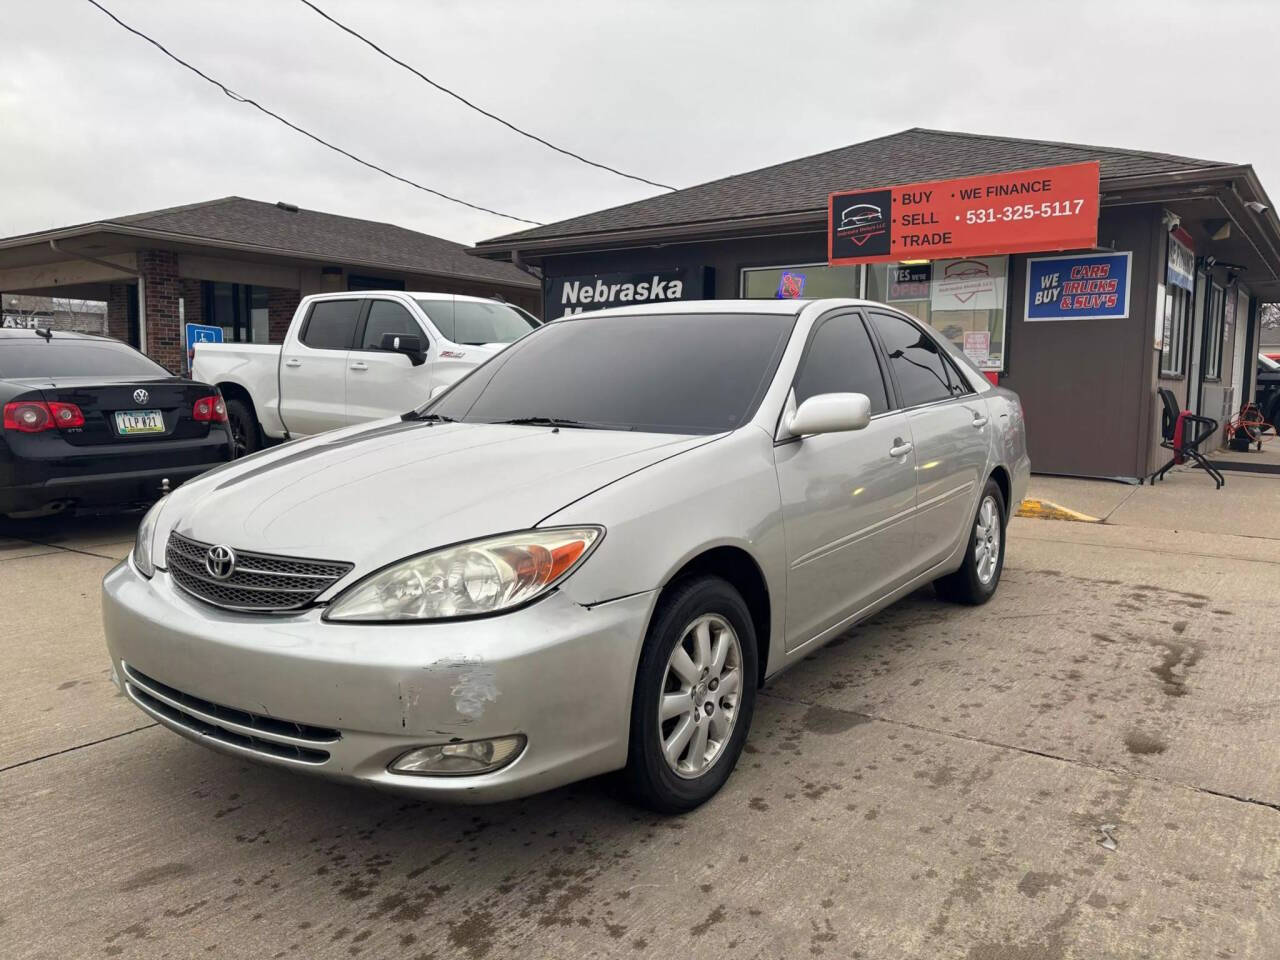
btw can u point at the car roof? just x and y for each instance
(788, 307)
(25, 333)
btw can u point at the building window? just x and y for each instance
(1213, 333)
(1177, 310)
(964, 300)
(808, 280)
(240, 309)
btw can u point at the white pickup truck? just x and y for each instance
(352, 357)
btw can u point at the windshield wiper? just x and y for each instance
(561, 422)
(427, 417)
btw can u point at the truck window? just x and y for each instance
(331, 325)
(387, 317)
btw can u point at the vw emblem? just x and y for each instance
(220, 561)
(141, 396)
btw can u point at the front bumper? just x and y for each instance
(345, 700)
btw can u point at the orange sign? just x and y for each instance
(1024, 211)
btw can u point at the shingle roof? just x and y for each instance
(321, 235)
(803, 185)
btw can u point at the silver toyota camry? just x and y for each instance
(586, 556)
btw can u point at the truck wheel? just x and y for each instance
(694, 695)
(244, 428)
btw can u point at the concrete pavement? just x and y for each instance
(932, 785)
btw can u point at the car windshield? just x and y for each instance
(1266, 363)
(662, 373)
(64, 357)
(473, 322)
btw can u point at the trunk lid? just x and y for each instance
(101, 398)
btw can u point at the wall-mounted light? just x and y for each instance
(1256, 207)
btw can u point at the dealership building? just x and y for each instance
(1083, 277)
(241, 265)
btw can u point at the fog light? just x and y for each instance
(460, 759)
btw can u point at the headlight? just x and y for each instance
(146, 533)
(469, 579)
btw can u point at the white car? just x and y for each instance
(352, 357)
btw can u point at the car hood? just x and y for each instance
(376, 493)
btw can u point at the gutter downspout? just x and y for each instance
(142, 285)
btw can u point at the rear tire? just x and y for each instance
(245, 437)
(683, 700)
(976, 581)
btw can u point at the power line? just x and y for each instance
(306, 133)
(492, 116)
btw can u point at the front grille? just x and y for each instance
(207, 718)
(261, 582)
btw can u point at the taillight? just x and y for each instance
(210, 410)
(33, 416)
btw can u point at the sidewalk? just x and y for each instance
(1248, 506)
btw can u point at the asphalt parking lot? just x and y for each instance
(934, 784)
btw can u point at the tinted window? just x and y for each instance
(667, 373)
(917, 365)
(387, 317)
(332, 325)
(61, 357)
(841, 360)
(473, 322)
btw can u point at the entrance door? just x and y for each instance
(1195, 338)
(847, 498)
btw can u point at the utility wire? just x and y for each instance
(293, 126)
(492, 116)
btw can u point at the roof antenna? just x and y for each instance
(44, 332)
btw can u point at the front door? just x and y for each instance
(313, 368)
(950, 431)
(381, 383)
(847, 498)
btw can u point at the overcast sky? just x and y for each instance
(95, 123)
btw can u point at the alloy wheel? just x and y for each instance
(986, 540)
(701, 687)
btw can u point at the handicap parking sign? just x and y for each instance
(200, 333)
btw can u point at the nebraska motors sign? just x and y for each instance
(1024, 211)
(567, 295)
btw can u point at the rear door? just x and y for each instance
(381, 383)
(313, 368)
(949, 429)
(847, 498)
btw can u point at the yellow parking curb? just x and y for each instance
(1047, 510)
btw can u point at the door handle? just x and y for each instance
(900, 447)
(979, 421)
(293, 363)
(359, 365)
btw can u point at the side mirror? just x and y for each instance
(831, 413)
(406, 343)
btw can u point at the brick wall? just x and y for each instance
(281, 305)
(159, 268)
(118, 311)
(192, 295)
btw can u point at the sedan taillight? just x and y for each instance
(33, 416)
(209, 410)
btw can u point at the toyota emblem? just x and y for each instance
(141, 396)
(220, 561)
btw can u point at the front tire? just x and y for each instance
(976, 581)
(694, 696)
(245, 437)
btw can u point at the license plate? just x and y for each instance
(139, 421)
